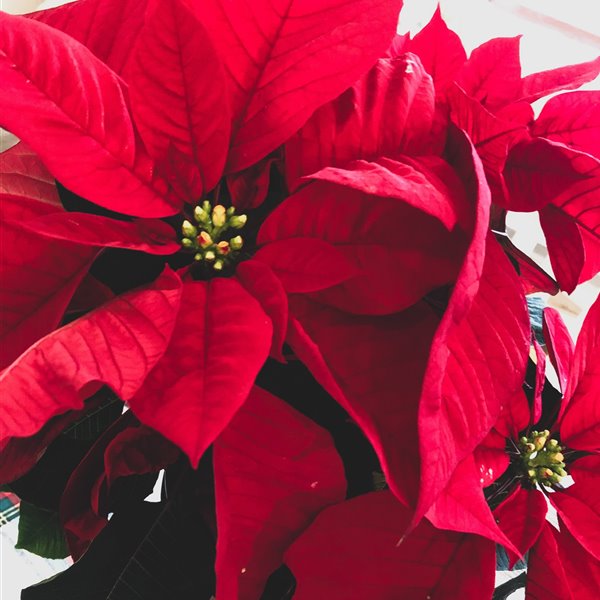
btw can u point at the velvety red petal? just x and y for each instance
(573, 119)
(462, 506)
(260, 281)
(275, 470)
(464, 391)
(351, 552)
(522, 516)
(580, 426)
(515, 415)
(285, 58)
(178, 94)
(73, 113)
(387, 112)
(440, 50)
(117, 344)
(249, 187)
(221, 339)
(546, 576)
(146, 235)
(491, 459)
(492, 75)
(108, 28)
(359, 361)
(305, 264)
(559, 344)
(579, 504)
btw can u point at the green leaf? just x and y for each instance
(40, 532)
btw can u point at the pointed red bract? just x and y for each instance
(262, 501)
(462, 506)
(387, 112)
(117, 344)
(403, 253)
(358, 360)
(559, 344)
(580, 426)
(260, 281)
(465, 388)
(541, 84)
(285, 58)
(34, 304)
(188, 112)
(492, 75)
(145, 235)
(305, 264)
(579, 504)
(23, 175)
(573, 119)
(220, 341)
(73, 113)
(440, 50)
(108, 28)
(522, 517)
(351, 552)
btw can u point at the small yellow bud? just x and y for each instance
(238, 221)
(561, 472)
(200, 215)
(236, 242)
(531, 473)
(529, 448)
(218, 215)
(231, 211)
(223, 248)
(556, 457)
(188, 229)
(206, 207)
(198, 256)
(204, 239)
(553, 445)
(218, 266)
(539, 442)
(187, 243)
(209, 256)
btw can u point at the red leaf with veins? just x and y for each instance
(359, 361)
(541, 84)
(522, 516)
(440, 50)
(477, 363)
(491, 459)
(263, 504)
(492, 75)
(546, 577)
(351, 552)
(285, 58)
(565, 247)
(108, 28)
(559, 344)
(537, 171)
(403, 253)
(305, 264)
(117, 344)
(177, 87)
(427, 183)
(23, 175)
(73, 112)
(387, 112)
(582, 569)
(152, 236)
(220, 341)
(462, 506)
(515, 416)
(579, 504)
(33, 305)
(580, 425)
(260, 281)
(573, 119)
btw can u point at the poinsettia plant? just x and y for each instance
(260, 249)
